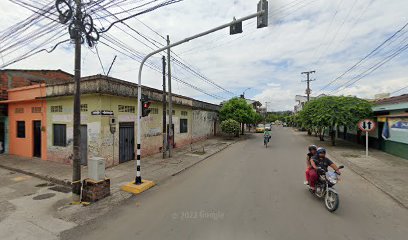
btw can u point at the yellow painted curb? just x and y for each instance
(136, 189)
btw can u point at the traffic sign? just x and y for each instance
(366, 125)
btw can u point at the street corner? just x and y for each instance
(138, 188)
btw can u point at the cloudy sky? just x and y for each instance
(326, 36)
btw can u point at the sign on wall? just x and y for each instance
(398, 123)
(102, 112)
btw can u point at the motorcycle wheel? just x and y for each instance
(331, 201)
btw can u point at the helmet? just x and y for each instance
(312, 147)
(321, 150)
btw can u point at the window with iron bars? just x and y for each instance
(129, 109)
(56, 108)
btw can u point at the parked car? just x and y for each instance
(260, 128)
(268, 127)
(285, 124)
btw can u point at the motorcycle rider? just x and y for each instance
(267, 136)
(312, 152)
(322, 162)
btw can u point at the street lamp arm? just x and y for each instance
(138, 179)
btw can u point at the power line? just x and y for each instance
(371, 69)
(365, 57)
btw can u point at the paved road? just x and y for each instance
(249, 192)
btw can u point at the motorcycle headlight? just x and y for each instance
(332, 180)
(331, 177)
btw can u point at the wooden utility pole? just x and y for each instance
(308, 80)
(164, 109)
(76, 164)
(171, 130)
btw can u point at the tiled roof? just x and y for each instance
(392, 100)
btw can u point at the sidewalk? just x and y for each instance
(152, 168)
(387, 172)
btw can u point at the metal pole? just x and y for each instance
(76, 164)
(366, 143)
(139, 87)
(171, 130)
(164, 109)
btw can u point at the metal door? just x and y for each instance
(37, 138)
(84, 145)
(126, 141)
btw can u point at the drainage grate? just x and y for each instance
(44, 196)
(60, 189)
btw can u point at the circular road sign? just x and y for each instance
(366, 125)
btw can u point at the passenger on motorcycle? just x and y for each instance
(312, 152)
(320, 161)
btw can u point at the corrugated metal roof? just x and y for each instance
(392, 100)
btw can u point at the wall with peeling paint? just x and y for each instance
(103, 93)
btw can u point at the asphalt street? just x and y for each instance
(251, 192)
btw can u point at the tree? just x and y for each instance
(326, 113)
(230, 127)
(239, 110)
(257, 118)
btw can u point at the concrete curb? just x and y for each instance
(206, 157)
(357, 170)
(43, 177)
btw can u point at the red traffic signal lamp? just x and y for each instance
(145, 108)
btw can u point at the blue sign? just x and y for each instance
(401, 124)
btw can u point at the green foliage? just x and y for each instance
(257, 118)
(237, 109)
(330, 111)
(281, 116)
(230, 126)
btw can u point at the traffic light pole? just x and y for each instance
(164, 109)
(138, 179)
(171, 130)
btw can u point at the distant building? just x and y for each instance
(302, 100)
(256, 105)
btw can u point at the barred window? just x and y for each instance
(154, 110)
(56, 108)
(19, 110)
(84, 107)
(129, 109)
(184, 113)
(36, 109)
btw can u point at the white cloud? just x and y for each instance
(268, 60)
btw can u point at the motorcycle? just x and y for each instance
(325, 188)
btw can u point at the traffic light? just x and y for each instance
(236, 28)
(262, 20)
(145, 106)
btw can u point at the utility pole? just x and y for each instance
(164, 109)
(308, 90)
(76, 164)
(171, 130)
(266, 112)
(83, 30)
